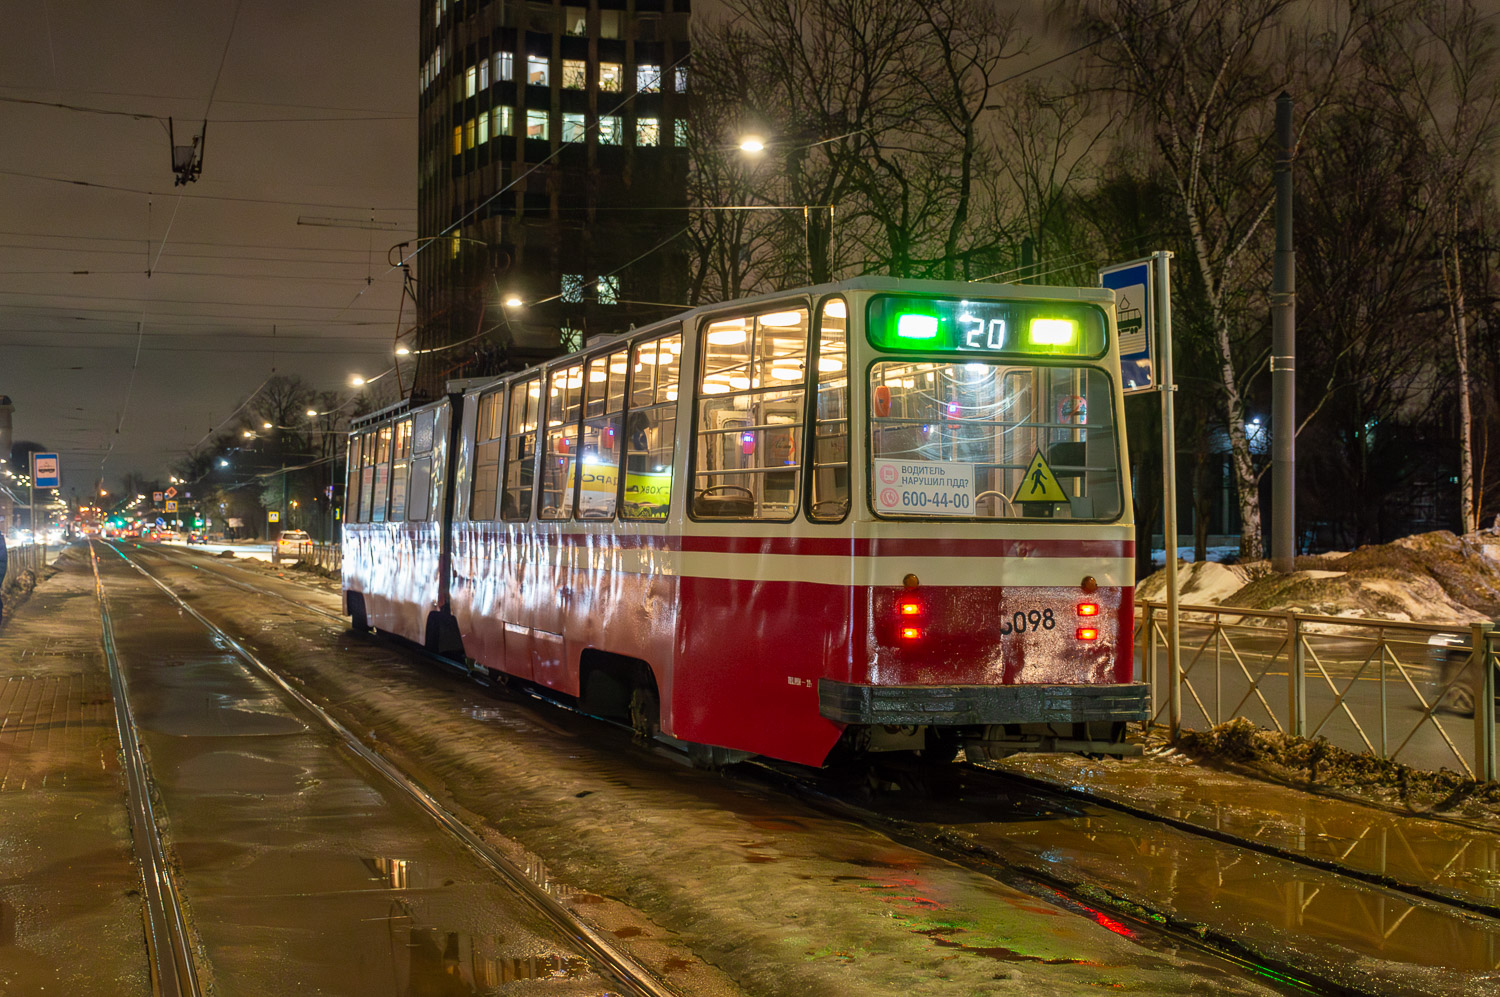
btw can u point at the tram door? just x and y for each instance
(750, 446)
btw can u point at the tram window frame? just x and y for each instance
(756, 365)
(381, 492)
(568, 396)
(1020, 366)
(814, 416)
(660, 412)
(419, 488)
(489, 433)
(400, 472)
(367, 477)
(610, 417)
(524, 462)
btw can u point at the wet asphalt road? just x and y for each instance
(720, 886)
(301, 871)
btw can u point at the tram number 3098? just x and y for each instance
(1033, 620)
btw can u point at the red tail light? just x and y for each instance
(910, 607)
(1088, 633)
(911, 633)
(1088, 609)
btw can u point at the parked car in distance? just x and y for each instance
(288, 543)
(197, 537)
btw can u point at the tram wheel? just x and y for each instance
(645, 713)
(358, 621)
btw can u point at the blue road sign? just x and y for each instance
(161, 524)
(45, 472)
(1135, 319)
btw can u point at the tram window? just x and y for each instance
(559, 459)
(398, 491)
(520, 449)
(486, 457)
(382, 480)
(651, 427)
(750, 416)
(830, 446)
(603, 406)
(423, 429)
(418, 496)
(351, 482)
(402, 446)
(973, 440)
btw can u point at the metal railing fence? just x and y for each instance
(23, 556)
(327, 556)
(1397, 690)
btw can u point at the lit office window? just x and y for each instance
(484, 75)
(609, 290)
(611, 76)
(502, 121)
(680, 134)
(572, 287)
(504, 66)
(437, 12)
(537, 73)
(682, 79)
(484, 128)
(647, 131)
(470, 80)
(536, 124)
(574, 128)
(647, 78)
(575, 20)
(611, 131)
(469, 134)
(609, 24)
(458, 139)
(575, 74)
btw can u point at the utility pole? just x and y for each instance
(1284, 353)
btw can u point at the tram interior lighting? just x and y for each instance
(911, 326)
(1088, 633)
(1054, 331)
(1088, 609)
(835, 309)
(781, 319)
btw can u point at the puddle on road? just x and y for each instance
(1406, 848)
(453, 962)
(1243, 894)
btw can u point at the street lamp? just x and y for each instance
(819, 266)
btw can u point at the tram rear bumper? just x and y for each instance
(959, 705)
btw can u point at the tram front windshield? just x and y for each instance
(990, 440)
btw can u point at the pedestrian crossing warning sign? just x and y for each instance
(1039, 484)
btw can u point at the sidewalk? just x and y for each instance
(70, 908)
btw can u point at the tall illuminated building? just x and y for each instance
(552, 156)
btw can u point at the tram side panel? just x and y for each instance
(757, 631)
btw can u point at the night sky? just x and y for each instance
(313, 116)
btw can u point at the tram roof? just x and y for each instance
(903, 285)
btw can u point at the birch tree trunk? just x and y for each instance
(1455, 289)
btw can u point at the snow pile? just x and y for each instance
(1428, 578)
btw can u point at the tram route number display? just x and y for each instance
(925, 488)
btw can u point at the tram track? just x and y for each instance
(1059, 886)
(168, 939)
(172, 954)
(1144, 926)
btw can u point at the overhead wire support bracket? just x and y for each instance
(187, 160)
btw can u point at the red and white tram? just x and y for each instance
(881, 513)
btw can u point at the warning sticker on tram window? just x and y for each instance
(927, 488)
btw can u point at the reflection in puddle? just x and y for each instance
(453, 962)
(395, 873)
